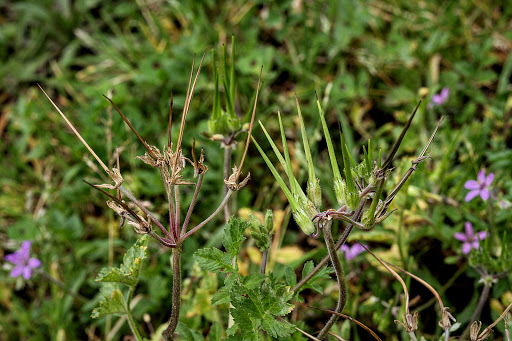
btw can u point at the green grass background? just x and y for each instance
(367, 61)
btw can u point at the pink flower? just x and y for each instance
(479, 187)
(470, 239)
(23, 264)
(352, 251)
(439, 99)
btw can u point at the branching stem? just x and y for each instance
(340, 242)
(207, 220)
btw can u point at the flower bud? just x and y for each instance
(269, 221)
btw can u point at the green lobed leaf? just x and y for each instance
(221, 296)
(215, 333)
(111, 302)
(275, 297)
(255, 306)
(276, 328)
(128, 272)
(291, 277)
(188, 334)
(234, 235)
(324, 273)
(214, 260)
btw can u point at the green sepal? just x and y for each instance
(315, 192)
(351, 193)
(128, 272)
(111, 302)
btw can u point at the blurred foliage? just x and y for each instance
(369, 62)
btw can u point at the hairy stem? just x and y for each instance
(176, 294)
(340, 277)
(264, 258)
(227, 165)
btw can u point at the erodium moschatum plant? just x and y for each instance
(358, 189)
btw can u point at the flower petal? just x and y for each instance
(469, 230)
(460, 236)
(16, 271)
(25, 249)
(481, 177)
(34, 263)
(484, 194)
(466, 248)
(489, 179)
(475, 244)
(444, 94)
(482, 235)
(472, 184)
(471, 195)
(27, 272)
(13, 258)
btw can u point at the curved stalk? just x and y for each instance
(176, 294)
(340, 242)
(338, 269)
(476, 314)
(192, 204)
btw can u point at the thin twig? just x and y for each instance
(478, 310)
(76, 132)
(192, 204)
(146, 211)
(207, 220)
(360, 324)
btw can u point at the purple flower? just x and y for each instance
(23, 264)
(439, 99)
(352, 251)
(479, 186)
(470, 239)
